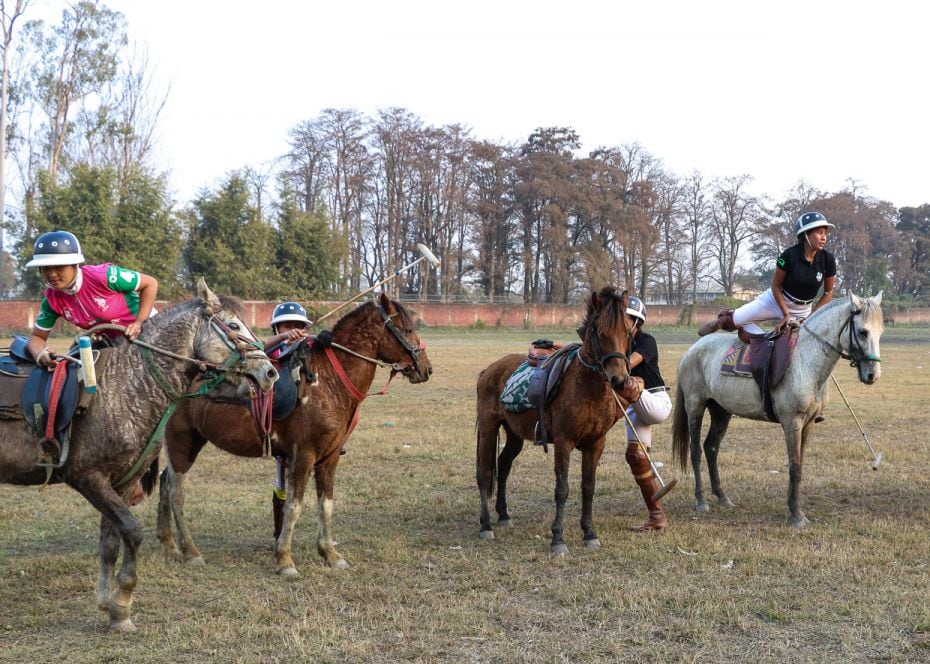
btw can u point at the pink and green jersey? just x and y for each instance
(103, 293)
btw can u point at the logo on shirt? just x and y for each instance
(101, 302)
(67, 313)
(819, 276)
(781, 262)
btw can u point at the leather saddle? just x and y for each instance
(46, 400)
(769, 355)
(544, 385)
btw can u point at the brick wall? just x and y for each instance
(20, 314)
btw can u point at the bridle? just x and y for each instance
(413, 351)
(857, 353)
(600, 357)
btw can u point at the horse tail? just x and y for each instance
(149, 479)
(681, 438)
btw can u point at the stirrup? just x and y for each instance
(48, 459)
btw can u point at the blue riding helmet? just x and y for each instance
(636, 308)
(809, 221)
(56, 248)
(289, 311)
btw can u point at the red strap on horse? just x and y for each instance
(333, 360)
(262, 409)
(54, 395)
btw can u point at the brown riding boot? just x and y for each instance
(277, 511)
(648, 485)
(724, 321)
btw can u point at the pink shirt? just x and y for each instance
(105, 293)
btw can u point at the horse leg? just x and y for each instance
(795, 437)
(325, 546)
(512, 448)
(189, 551)
(117, 525)
(719, 422)
(695, 420)
(589, 460)
(163, 530)
(298, 472)
(562, 452)
(485, 457)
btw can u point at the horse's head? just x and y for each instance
(605, 333)
(224, 340)
(399, 344)
(866, 324)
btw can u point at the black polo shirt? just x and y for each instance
(802, 279)
(645, 344)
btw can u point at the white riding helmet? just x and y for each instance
(56, 248)
(289, 311)
(809, 221)
(636, 308)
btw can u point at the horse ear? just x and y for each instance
(595, 300)
(386, 303)
(855, 301)
(877, 298)
(207, 296)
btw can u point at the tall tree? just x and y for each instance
(491, 204)
(78, 58)
(734, 221)
(914, 227)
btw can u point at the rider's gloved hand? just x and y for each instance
(47, 359)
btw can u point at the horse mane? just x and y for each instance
(228, 303)
(611, 317)
(404, 319)
(871, 312)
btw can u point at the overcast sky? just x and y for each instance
(822, 91)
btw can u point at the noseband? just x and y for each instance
(413, 351)
(600, 357)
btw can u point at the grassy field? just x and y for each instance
(736, 585)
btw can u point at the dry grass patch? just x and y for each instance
(735, 585)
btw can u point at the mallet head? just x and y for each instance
(878, 460)
(427, 254)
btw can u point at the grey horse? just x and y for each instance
(849, 327)
(116, 439)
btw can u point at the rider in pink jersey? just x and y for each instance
(85, 295)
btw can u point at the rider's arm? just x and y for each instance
(777, 280)
(148, 291)
(828, 285)
(635, 359)
(36, 346)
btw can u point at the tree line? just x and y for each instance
(538, 220)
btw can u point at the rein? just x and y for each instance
(856, 355)
(600, 358)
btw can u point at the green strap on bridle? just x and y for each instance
(149, 360)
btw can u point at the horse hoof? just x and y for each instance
(486, 534)
(196, 561)
(124, 626)
(593, 543)
(340, 564)
(799, 523)
(726, 503)
(505, 523)
(288, 572)
(702, 508)
(558, 550)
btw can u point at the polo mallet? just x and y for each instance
(426, 254)
(876, 458)
(658, 495)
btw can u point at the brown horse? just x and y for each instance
(116, 440)
(578, 417)
(310, 437)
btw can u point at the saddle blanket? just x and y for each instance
(736, 360)
(515, 395)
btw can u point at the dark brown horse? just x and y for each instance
(310, 437)
(116, 440)
(578, 417)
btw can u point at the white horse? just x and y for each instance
(849, 328)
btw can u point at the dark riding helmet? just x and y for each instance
(56, 248)
(289, 311)
(636, 309)
(809, 221)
